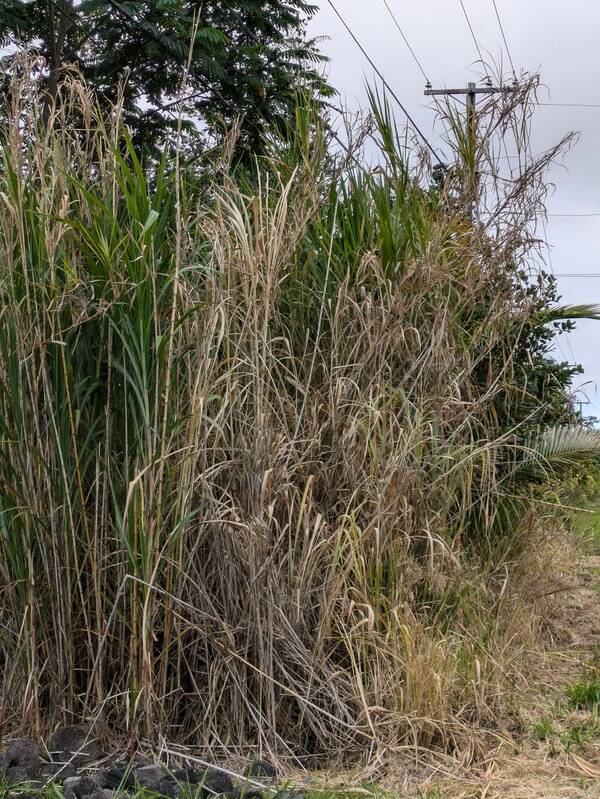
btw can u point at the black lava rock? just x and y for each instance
(75, 744)
(153, 778)
(149, 776)
(167, 788)
(244, 791)
(57, 772)
(214, 781)
(260, 768)
(82, 787)
(188, 775)
(18, 774)
(118, 776)
(21, 760)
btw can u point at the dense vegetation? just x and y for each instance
(240, 59)
(276, 466)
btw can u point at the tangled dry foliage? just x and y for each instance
(553, 752)
(254, 491)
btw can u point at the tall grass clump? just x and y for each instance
(272, 452)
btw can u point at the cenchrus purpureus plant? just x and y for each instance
(257, 486)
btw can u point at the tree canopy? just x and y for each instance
(248, 58)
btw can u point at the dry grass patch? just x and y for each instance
(272, 475)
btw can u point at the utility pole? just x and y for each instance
(470, 94)
(581, 403)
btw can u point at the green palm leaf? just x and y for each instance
(569, 443)
(560, 447)
(559, 312)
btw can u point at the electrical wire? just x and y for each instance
(504, 38)
(472, 31)
(408, 44)
(193, 95)
(571, 105)
(577, 214)
(415, 57)
(381, 76)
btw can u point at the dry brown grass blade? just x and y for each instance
(251, 468)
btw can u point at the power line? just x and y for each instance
(504, 37)
(194, 95)
(577, 214)
(472, 31)
(381, 76)
(414, 55)
(571, 105)
(529, 153)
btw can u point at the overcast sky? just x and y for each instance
(559, 40)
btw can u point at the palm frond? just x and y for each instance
(570, 441)
(559, 312)
(564, 445)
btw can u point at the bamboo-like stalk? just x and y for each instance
(266, 447)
